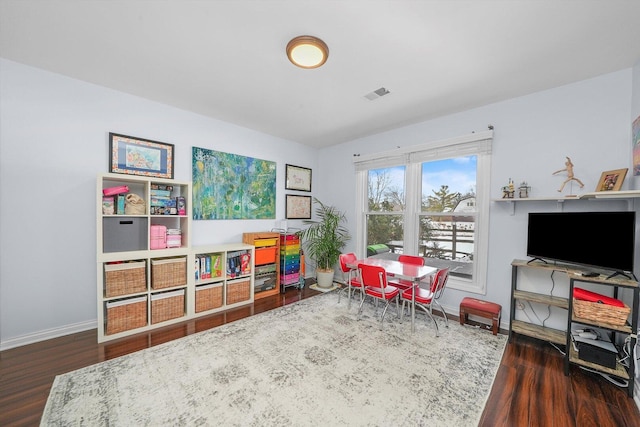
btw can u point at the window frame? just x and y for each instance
(478, 144)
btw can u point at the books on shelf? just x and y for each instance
(208, 266)
(238, 263)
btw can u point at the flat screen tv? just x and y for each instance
(604, 240)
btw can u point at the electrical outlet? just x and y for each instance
(520, 305)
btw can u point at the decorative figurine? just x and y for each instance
(569, 169)
(508, 190)
(523, 190)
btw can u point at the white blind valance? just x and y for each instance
(475, 143)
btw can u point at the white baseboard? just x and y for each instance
(47, 334)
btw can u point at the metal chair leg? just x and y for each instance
(432, 319)
(386, 306)
(341, 291)
(444, 313)
(360, 308)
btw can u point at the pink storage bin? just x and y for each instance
(174, 240)
(112, 191)
(288, 279)
(158, 237)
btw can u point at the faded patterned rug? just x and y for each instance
(306, 364)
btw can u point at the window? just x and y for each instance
(448, 213)
(385, 208)
(430, 201)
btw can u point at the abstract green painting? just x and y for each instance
(230, 186)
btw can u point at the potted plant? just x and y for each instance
(324, 239)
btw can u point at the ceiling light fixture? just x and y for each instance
(307, 52)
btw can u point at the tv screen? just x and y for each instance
(597, 239)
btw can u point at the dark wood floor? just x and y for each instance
(530, 388)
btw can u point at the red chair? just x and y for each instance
(352, 281)
(426, 298)
(407, 259)
(374, 279)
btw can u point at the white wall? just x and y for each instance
(587, 121)
(53, 144)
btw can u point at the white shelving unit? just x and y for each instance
(139, 288)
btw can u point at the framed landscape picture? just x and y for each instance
(136, 156)
(298, 207)
(298, 178)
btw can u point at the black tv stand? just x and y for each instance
(536, 259)
(629, 275)
(608, 286)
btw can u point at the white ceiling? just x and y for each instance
(226, 59)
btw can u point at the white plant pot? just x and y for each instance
(325, 278)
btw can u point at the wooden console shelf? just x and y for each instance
(542, 299)
(540, 332)
(608, 284)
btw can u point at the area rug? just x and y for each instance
(311, 363)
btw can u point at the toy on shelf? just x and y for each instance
(508, 190)
(570, 177)
(523, 190)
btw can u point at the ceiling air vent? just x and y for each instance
(377, 94)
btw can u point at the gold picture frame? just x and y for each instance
(131, 155)
(612, 180)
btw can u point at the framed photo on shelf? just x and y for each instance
(136, 156)
(611, 180)
(298, 178)
(298, 207)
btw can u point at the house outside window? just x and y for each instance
(430, 202)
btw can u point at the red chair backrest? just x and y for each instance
(439, 282)
(373, 275)
(411, 259)
(346, 259)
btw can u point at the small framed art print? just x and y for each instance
(611, 180)
(298, 178)
(298, 207)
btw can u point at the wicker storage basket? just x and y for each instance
(123, 315)
(125, 278)
(239, 290)
(168, 272)
(167, 305)
(601, 313)
(208, 297)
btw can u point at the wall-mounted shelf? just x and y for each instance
(627, 195)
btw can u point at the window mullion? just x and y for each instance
(412, 207)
